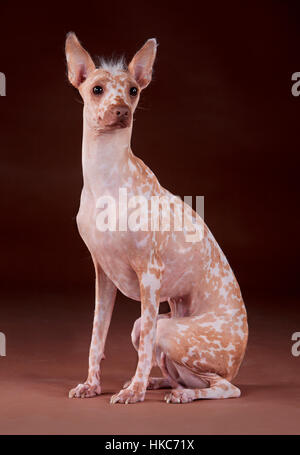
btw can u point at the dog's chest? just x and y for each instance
(109, 248)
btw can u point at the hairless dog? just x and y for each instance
(199, 345)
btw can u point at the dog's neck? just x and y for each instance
(104, 156)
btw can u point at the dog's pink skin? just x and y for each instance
(200, 344)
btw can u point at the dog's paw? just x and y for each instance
(85, 391)
(126, 396)
(180, 396)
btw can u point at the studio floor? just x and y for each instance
(47, 351)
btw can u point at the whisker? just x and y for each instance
(78, 101)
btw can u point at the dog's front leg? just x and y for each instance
(150, 283)
(105, 299)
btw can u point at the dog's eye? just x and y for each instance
(133, 91)
(98, 90)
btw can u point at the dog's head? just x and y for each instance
(111, 91)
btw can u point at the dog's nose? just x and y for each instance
(117, 114)
(121, 111)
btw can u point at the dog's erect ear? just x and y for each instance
(80, 64)
(141, 65)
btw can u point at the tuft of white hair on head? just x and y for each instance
(113, 65)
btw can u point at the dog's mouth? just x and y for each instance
(121, 123)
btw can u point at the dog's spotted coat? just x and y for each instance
(200, 344)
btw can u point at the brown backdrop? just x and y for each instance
(218, 120)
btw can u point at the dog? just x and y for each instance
(199, 345)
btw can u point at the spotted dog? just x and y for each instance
(199, 345)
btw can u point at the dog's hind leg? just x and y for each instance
(200, 355)
(218, 388)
